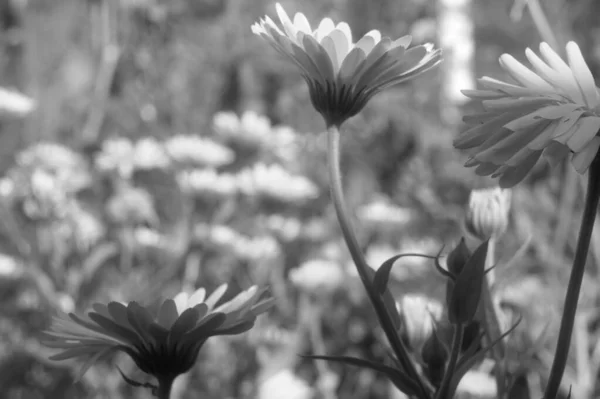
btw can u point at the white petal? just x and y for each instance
(553, 59)
(196, 298)
(563, 81)
(181, 300)
(563, 130)
(342, 46)
(523, 74)
(513, 90)
(301, 23)
(569, 84)
(289, 27)
(345, 29)
(329, 45)
(368, 41)
(404, 41)
(587, 129)
(583, 160)
(325, 28)
(583, 75)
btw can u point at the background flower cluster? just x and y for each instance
(167, 148)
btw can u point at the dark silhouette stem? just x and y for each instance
(574, 287)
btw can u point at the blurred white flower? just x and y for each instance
(67, 168)
(87, 228)
(147, 237)
(7, 187)
(275, 182)
(116, 156)
(251, 129)
(283, 142)
(284, 384)
(208, 181)
(317, 276)
(15, 104)
(478, 384)
(9, 267)
(289, 228)
(382, 212)
(131, 206)
(257, 248)
(419, 314)
(242, 246)
(198, 150)
(149, 153)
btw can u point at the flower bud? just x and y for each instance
(488, 211)
(434, 355)
(463, 294)
(458, 258)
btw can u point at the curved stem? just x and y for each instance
(337, 194)
(574, 287)
(457, 340)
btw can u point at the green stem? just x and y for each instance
(457, 340)
(574, 287)
(337, 194)
(164, 388)
(492, 322)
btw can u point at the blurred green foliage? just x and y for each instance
(140, 174)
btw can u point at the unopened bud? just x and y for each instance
(434, 355)
(458, 258)
(463, 294)
(488, 211)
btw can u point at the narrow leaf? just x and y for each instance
(400, 380)
(467, 289)
(467, 360)
(382, 275)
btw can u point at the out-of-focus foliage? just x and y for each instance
(169, 148)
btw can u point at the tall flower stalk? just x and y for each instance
(337, 194)
(574, 287)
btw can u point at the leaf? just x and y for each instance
(400, 380)
(467, 287)
(382, 275)
(467, 361)
(388, 301)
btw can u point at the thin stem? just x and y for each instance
(542, 24)
(574, 287)
(457, 340)
(164, 388)
(337, 194)
(492, 323)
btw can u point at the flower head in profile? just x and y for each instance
(163, 344)
(553, 110)
(343, 75)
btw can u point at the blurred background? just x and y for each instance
(153, 146)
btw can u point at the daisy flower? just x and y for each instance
(343, 75)
(163, 344)
(193, 149)
(552, 110)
